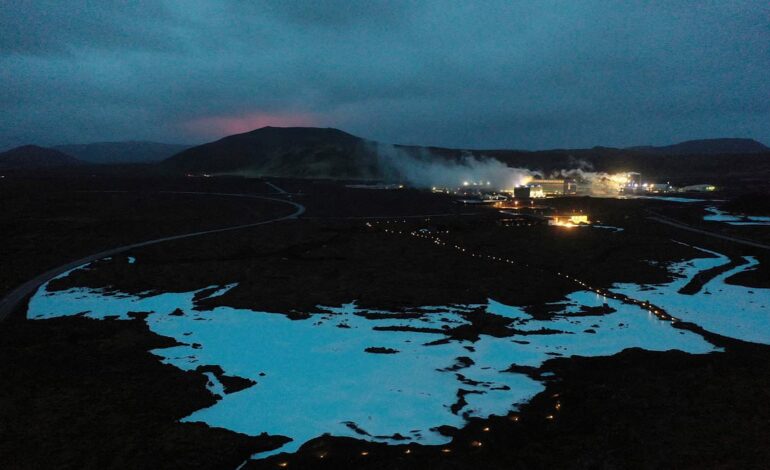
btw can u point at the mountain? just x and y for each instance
(122, 152)
(282, 151)
(307, 152)
(29, 157)
(707, 147)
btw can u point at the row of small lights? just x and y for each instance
(644, 304)
(657, 311)
(513, 417)
(448, 450)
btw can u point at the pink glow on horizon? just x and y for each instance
(220, 126)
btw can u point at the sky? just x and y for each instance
(495, 74)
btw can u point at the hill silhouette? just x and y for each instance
(308, 152)
(122, 152)
(277, 151)
(29, 157)
(707, 147)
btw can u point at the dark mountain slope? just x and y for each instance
(275, 151)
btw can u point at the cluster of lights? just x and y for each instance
(563, 223)
(476, 443)
(477, 183)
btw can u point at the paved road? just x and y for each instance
(280, 190)
(393, 217)
(11, 301)
(675, 223)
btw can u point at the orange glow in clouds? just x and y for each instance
(220, 126)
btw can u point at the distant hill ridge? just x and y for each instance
(34, 157)
(122, 152)
(309, 152)
(707, 147)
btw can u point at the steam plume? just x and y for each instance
(421, 169)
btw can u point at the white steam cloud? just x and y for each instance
(422, 169)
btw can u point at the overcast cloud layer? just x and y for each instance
(513, 74)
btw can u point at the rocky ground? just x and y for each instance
(80, 393)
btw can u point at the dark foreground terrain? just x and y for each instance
(80, 393)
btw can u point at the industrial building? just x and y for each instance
(658, 187)
(536, 191)
(521, 192)
(552, 187)
(698, 188)
(570, 187)
(540, 188)
(633, 183)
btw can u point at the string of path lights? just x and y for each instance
(658, 311)
(437, 241)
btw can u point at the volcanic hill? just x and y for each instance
(292, 151)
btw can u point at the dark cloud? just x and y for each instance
(475, 74)
(47, 27)
(336, 13)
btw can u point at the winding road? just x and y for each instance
(11, 301)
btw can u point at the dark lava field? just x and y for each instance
(85, 393)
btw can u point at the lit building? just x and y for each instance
(699, 188)
(570, 187)
(633, 183)
(569, 220)
(658, 187)
(551, 187)
(536, 191)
